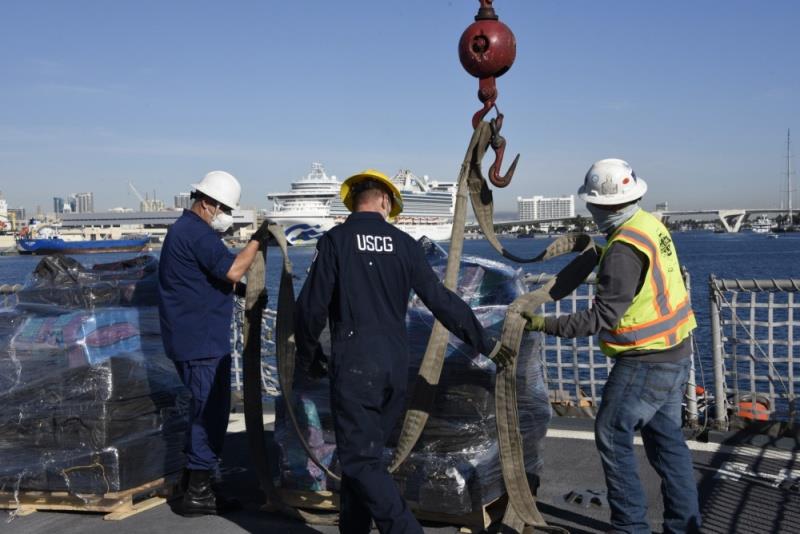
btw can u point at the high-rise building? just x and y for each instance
(183, 201)
(84, 203)
(17, 214)
(539, 207)
(58, 205)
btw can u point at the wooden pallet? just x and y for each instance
(471, 523)
(116, 505)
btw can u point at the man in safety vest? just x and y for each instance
(196, 277)
(360, 282)
(643, 319)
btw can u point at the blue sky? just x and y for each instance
(696, 95)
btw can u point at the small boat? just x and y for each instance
(762, 225)
(56, 245)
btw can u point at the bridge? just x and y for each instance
(731, 219)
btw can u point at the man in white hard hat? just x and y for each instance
(360, 282)
(643, 319)
(196, 275)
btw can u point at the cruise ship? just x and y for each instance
(313, 206)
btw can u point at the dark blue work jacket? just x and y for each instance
(361, 279)
(196, 301)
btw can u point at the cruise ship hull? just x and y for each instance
(312, 207)
(304, 231)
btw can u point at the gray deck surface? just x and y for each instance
(743, 489)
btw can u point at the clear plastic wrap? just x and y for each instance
(455, 467)
(89, 402)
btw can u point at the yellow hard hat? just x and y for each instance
(376, 176)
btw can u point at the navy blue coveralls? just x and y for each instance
(360, 280)
(195, 309)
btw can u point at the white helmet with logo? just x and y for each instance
(222, 187)
(610, 182)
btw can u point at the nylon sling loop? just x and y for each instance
(431, 367)
(255, 301)
(482, 201)
(285, 347)
(522, 508)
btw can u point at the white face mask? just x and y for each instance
(220, 222)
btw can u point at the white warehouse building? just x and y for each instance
(539, 207)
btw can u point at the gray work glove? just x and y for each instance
(503, 356)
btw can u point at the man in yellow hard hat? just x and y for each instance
(643, 319)
(360, 282)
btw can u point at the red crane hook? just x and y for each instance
(487, 50)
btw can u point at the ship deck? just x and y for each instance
(747, 484)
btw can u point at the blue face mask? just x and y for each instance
(607, 220)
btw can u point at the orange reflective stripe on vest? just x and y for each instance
(660, 315)
(661, 327)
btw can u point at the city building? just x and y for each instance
(84, 203)
(18, 215)
(58, 205)
(662, 206)
(545, 208)
(183, 201)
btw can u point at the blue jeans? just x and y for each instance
(646, 397)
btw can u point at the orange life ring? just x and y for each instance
(754, 411)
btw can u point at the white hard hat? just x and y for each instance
(610, 182)
(222, 187)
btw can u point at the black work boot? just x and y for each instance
(199, 498)
(184, 482)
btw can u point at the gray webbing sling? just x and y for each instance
(255, 301)
(522, 510)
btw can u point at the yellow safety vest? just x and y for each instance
(660, 315)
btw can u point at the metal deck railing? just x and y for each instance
(755, 330)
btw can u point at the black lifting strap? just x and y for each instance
(255, 301)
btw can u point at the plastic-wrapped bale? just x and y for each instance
(297, 470)
(455, 467)
(129, 462)
(89, 402)
(61, 283)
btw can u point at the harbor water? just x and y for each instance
(740, 256)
